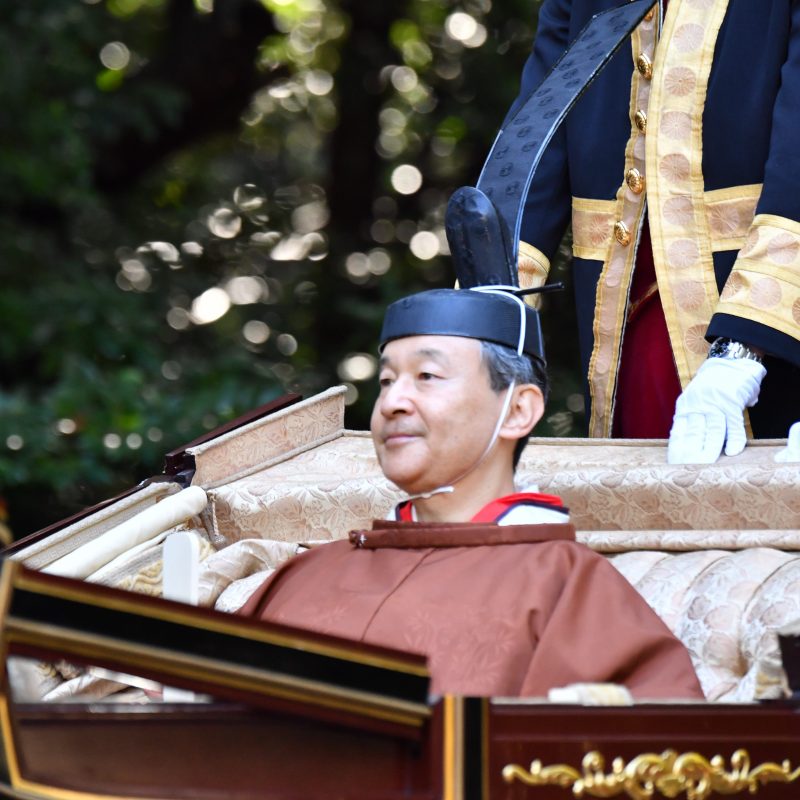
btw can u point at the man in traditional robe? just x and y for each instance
(485, 580)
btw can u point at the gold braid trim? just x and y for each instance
(680, 230)
(592, 227)
(729, 214)
(764, 284)
(619, 257)
(533, 267)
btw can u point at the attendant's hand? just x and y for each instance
(792, 450)
(710, 411)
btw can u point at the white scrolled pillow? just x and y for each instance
(162, 516)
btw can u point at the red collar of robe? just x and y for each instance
(497, 509)
(388, 533)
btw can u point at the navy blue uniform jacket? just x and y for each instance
(694, 129)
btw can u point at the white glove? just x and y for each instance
(710, 411)
(792, 450)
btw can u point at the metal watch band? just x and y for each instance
(728, 348)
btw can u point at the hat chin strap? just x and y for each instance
(451, 487)
(506, 291)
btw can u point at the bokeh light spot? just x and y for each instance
(178, 319)
(357, 265)
(424, 245)
(112, 441)
(166, 251)
(287, 344)
(210, 306)
(406, 179)
(357, 367)
(115, 55)
(392, 120)
(319, 82)
(291, 248)
(248, 197)
(351, 395)
(460, 26)
(192, 248)
(380, 261)
(478, 38)
(171, 370)
(66, 426)
(245, 289)
(256, 331)
(310, 217)
(316, 246)
(404, 79)
(382, 231)
(224, 223)
(306, 291)
(135, 275)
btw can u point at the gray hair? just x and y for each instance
(506, 366)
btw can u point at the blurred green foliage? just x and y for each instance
(202, 209)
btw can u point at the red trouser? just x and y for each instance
(647, 384)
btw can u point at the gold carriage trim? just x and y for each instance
(764, 284)
(729, 213)
(650, 775)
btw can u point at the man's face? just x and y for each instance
(435, 413)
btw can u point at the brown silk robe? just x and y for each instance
(502, 611)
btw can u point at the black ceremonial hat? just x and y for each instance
(471, 313)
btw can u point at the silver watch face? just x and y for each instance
(727, 348)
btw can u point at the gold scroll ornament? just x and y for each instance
(650, 775)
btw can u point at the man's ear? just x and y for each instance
(525, 410)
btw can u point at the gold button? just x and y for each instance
(640, 118)
(635, 180)
(622, 234)
(650, 14)
(645, 66)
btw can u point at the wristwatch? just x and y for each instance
(728, 348)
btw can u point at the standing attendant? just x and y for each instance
(679, 169)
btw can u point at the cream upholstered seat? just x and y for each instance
(714, 549)
(725, 607)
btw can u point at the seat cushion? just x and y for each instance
(725, 607)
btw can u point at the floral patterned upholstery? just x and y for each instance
(714, 549)
(725, 607)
